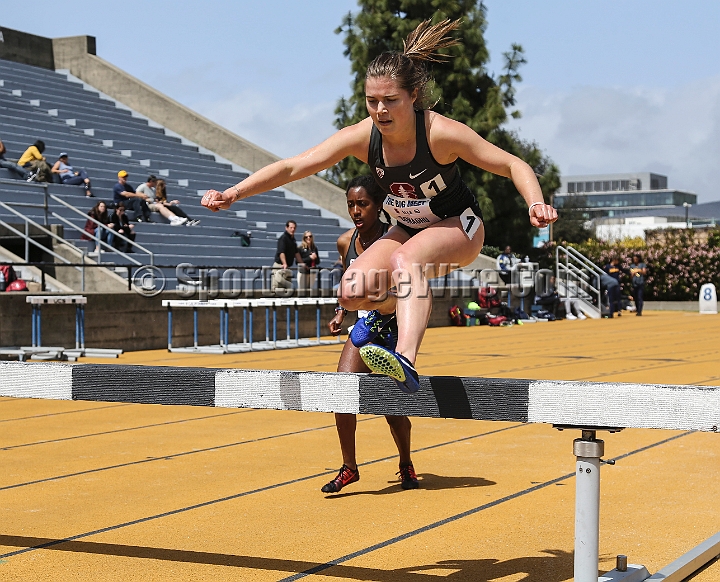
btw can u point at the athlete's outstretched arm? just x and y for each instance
(453, 139)
(350, 141)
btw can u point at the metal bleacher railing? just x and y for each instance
(578, 278)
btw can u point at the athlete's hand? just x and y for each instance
(215, 200)
(335, 324)
(542, 214)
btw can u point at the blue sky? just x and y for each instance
(609, 86)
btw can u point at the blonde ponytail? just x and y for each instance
(423, 43)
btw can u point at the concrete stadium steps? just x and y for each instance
(37, 104)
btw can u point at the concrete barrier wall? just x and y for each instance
(29, 49)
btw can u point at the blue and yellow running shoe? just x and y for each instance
(369, 327)
(389, 363)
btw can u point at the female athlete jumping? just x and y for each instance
(411, 152)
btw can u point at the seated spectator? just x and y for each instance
(572, 311)
(11, 165)
(34, 161)
(505, 262)
(549, 298)
(68, 174)
(121, 225)
(98, 212)
(123, 193)
(307, 269)
(148, 190)
(172, 205)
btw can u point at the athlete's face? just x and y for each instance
(390, 106)
(362, 209)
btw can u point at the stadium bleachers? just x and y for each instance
(103, 137)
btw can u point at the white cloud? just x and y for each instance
(270, 124)
(587, 130)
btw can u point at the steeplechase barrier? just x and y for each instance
(270, 305)
(585, 406)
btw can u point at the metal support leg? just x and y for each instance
(38, 328)
(82, 327)
(588, 451)
(318, 322)
(297, 324)
(195, 327)
(287, 322)
(222, 327)
(251, 327)
(274, 312)
(267, 325)
(32, 320)
(245, 336)
(170, 328)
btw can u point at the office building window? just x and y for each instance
(571, 187)
(615, 185)
(606, 186)
(580, 187)
(588, 186)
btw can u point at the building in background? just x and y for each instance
(601, 195)
(636, 224)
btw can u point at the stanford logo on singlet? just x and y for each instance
(403, 189)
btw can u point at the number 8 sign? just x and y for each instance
(708, 299)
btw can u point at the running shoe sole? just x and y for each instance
(383, 361)
(380, 361)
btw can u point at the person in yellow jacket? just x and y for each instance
(34, 161)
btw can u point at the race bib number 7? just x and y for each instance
(470, 223)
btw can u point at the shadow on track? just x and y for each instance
(553, 566)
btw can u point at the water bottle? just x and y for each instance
(2, 281)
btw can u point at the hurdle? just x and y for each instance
(38, 351)
(271, 305)
(588, 407)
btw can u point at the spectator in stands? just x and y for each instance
(11, 165)
(287, 253)
(148, 189)
(123, 193)
(122, 226)
(71, 176)
(307, 269)
(505, 262)
(99, 212)
(172, 205)
(34, 161)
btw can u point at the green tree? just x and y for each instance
(570, 227)
(465, 91)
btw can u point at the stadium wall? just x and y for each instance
(132, 322)
(77, 55)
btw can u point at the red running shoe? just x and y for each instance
(344, 477)
(408, 477)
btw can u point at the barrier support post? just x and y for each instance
(588, 450)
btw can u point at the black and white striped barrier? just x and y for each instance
(587, 406)
(594, 404)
